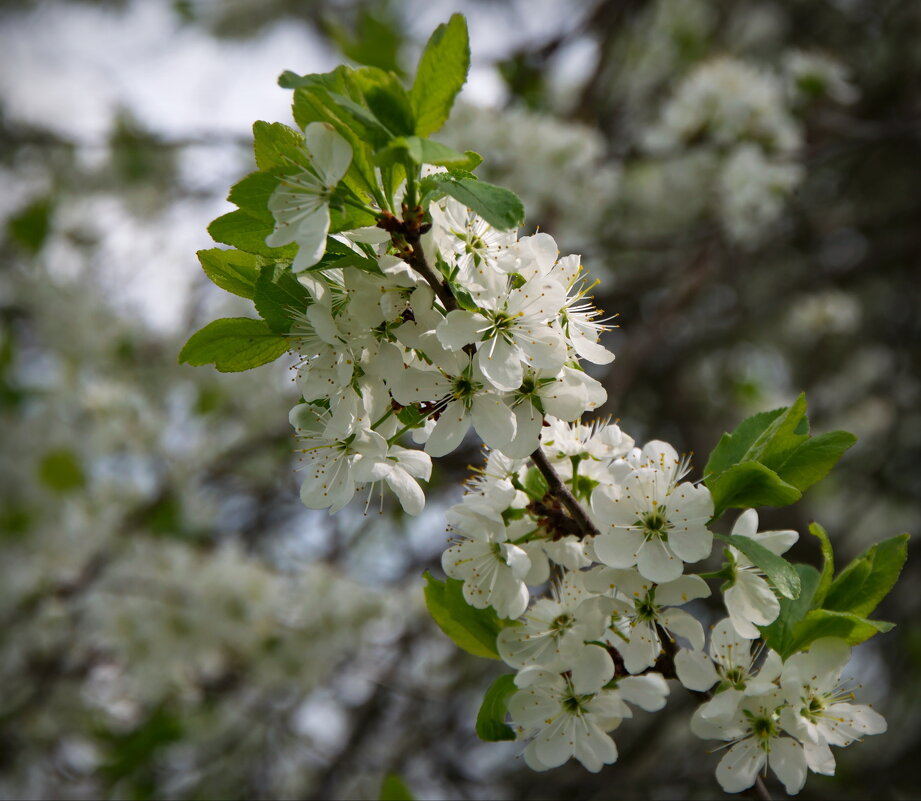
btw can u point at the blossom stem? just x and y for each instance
(761, 790)
(561, 491)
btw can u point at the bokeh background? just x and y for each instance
(743, 178)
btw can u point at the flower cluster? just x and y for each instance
(381, 354)
(611, 629)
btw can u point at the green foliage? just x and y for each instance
(770, 459)
(233, 344)
(535, 485)
(777, 569)
(60, 471)
(29, 227)
(490, 720)
(279, 297)
(389, 102)
(276, 145)
(861, 586)
(252, 195)
(132, 752)
(441, 73)
(232, 270)
(393, 788)
(473, 630)
(498, 206)
(838, 608)
(376, 41)
(241, 230)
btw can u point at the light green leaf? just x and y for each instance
(778, 634)
(814, 458)
(490, 720)
(733, 447)
(276, 145)
(820, 623)
(535, 485)
(777, 569)
(252, 195)
(376, 41)
(748, 485)
(241, 230)
(499, 207)
(473, 630)
(393, 788)
(232, 270)
(279, 297)
(60, 471)
(387, 100)
(441, 73)
(828, 563)
(29, 227)
(784, 434)
(233, 344)
(861, 586)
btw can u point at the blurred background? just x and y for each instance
(743, 177)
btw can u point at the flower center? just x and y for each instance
(562, 623)
(655, 523)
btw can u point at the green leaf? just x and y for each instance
(777, 569)
(748, 485)
(535, 485)
(376, 41)
(276, 145)
(29, 227)
(280, 296)
(61, 472)
(820, 623)
(393, 788)
(828, 563)
(443, 156)
(233, 344)
(861, 586)
(387, 99)
(241, 230)
(784, 435)
(339, 255)
(473, 630)
(252, 195)
(490, 720)
(814, 458)
(733, 447)
(499, 207)
(441, 73)
(778, 634)
(232, 270)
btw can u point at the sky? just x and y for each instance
(70, 67)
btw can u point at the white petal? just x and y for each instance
(819, 758)
(331, 153)
(500, 363)
(618, 548)
(493, 420)
(695, 670)
(460, 328)
(788, 761)
(657, 562)
(684, 625)
(592, 670)
(311, 239)
(739, 766)
(404, 486)
(647, 692)
(450, 430)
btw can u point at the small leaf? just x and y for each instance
(828, 563)
(535, 485)
(490, 720)
(777, 569)
(387, 99)
(733, 447)
(820, 623)
(276, 145)
(441, 73)
(252, 194)
(241, 230)
(473, 630)
(232, 270)
(814, 458)
(233, 344)
(393, 788)
(279, 297)
(748, 485)
(861, 586)
(61, 472)
(778, 634)
(29, 227)
(499, 207)
(784, 435)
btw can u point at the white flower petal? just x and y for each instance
(695, 670)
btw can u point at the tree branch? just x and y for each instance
(561, 491)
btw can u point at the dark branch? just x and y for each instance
(561, 491)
